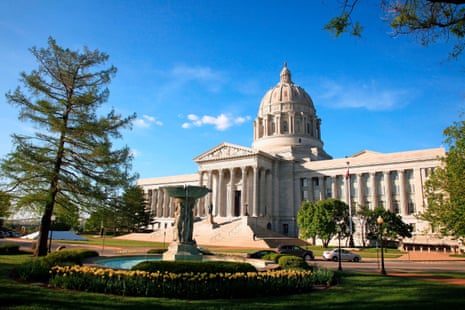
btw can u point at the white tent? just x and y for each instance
(56, 235)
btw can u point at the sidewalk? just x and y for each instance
(429, 256)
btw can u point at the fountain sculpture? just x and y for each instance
(184, 246)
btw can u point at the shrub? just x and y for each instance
(69, 256)
(292, 262)
(9, 248)
(156, 251)
(323, 276)
(38, 268)
(194, 266)
(274, 257)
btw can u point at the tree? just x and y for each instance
(5, 204)
(132, 212)
(320, 219)
(393, 226)
(445, 187)
(70, 157)
(428, 20)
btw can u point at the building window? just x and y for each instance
(304, 189)
(395, 206)
(286, 229)
(410, 207)
(328, 187)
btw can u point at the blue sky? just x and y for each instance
(196, 71)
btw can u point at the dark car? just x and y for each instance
(259, 254)
(296, 251)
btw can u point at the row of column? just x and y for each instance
(239, 191)
(287, 123)
(373, 189)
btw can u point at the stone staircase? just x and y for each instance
(235, 233)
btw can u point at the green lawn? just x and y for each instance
(355, 291)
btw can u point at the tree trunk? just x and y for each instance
(45, 224)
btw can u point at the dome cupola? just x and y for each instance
(287, 123)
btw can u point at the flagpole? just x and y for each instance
(349, 202)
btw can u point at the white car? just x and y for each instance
(345, 255)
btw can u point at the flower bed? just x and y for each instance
(188, 285)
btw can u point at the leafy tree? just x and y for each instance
(445, 186)
(70, 157)
(320, 219)
(126, 212)
(5, 204)
(393, 226)
(428, 20)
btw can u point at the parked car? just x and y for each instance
(259, 254)
(296, 250)
(345, 255)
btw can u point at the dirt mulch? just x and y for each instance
(430, 277)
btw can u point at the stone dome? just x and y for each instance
(286, 91)
(287, 123)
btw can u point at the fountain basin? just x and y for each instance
(127, 262)
(189, 191)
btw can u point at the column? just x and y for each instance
(261, 192)
(255, 192)
(311, 196)
(360, 189)
(334, 187)
(208, 197)
(219, 195)
(230, 195)
(321, 188)
(244, 210)
(387, 190)
(403, 194)
(374, 194)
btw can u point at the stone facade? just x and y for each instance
(264, 186)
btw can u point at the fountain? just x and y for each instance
(184, 247)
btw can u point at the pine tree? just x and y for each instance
(70, 158)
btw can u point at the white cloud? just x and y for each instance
(369, 95)
(220, 122)
(146, 121)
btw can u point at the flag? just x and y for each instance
(347, 173)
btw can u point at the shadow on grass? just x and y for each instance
(354, 291)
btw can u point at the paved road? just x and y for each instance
(412, 262)
(398, 265)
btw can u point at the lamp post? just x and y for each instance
(339, 248)
(52, 219)
(339, 230)
(380, 221)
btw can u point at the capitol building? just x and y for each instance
(257, 191)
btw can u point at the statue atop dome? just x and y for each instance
(285, 74)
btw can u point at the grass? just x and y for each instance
(355, 291)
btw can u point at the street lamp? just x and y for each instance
(52, 219)
(339, 230)
(380, 221)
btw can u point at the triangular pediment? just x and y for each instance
(224, 151)
(365, 153)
